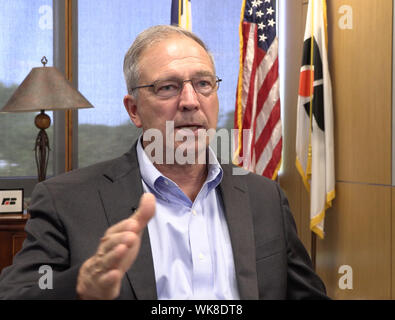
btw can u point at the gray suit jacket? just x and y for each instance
(71, 212)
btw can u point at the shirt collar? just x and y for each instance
(152, 176)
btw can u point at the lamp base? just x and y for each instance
(41, 148)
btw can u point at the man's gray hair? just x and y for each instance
(144, 40)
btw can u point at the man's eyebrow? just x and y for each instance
(168, 78)
(204, 73)
(196, 74)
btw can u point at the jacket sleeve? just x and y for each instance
(302, 281)
(41, 270)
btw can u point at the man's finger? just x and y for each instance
(122, 226)
(110, 260)
(109, 242)
(110, 284)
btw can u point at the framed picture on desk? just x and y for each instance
(11, 201)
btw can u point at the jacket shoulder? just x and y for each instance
(110, 169)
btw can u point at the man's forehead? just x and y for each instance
(170, 51)
(173, 42)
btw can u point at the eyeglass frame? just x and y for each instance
(152, 85)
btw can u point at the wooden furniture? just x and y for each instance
(12, 235)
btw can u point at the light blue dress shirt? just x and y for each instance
(190, 241)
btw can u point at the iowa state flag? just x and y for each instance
(314, 135)
(181, 14)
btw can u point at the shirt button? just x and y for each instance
(194, 212)
(166, 182)
(201, 256)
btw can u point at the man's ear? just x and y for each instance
(130, 104)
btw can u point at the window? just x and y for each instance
(26, 36)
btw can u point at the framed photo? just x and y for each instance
(11, 200)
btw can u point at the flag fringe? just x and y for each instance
(189, 27)
(179, 12)
(316, 220)
(318, 231)
(325, 22)
(239, 86)
(302, 174)
(275, 174)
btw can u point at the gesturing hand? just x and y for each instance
(100, 276)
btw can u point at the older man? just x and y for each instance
(148, 226)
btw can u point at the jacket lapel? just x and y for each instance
(120, 194)
(240, 224)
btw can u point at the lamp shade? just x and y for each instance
(45, 88)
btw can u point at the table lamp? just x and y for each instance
(44, 88)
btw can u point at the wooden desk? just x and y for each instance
(12, 235)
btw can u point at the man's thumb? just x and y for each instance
(146, 209)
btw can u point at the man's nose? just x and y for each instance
(188, 97)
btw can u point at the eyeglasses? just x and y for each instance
(204, 85)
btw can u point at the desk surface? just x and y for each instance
(14, 218)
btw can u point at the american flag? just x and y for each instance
(258, 98)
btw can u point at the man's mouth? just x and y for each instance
(192, 127)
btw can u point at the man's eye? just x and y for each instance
(167, 87)
(203, 83)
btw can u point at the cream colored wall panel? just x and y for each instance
(358, 234)
(361, 63)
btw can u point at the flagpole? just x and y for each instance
(313, 249)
